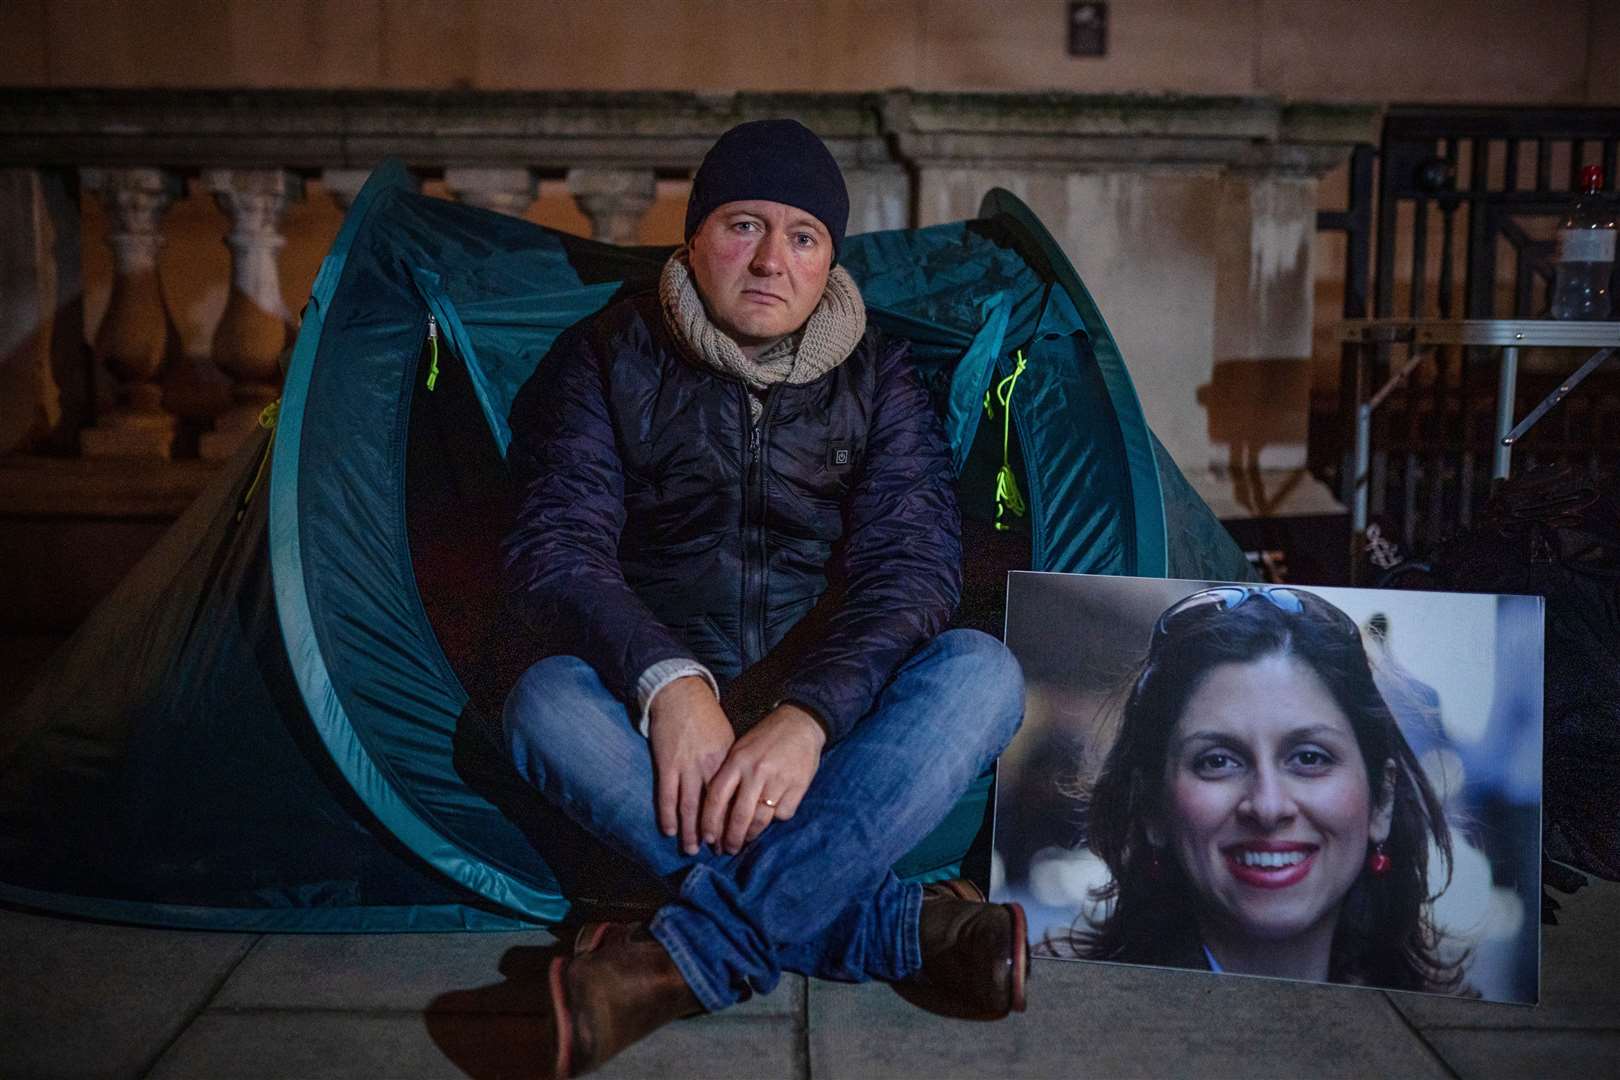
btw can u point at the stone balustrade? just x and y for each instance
(1190, 219)
(135, 342)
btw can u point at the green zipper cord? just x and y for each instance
(433, 352)
(267, 420)
(1008, 497)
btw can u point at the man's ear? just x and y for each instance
(1384, 809)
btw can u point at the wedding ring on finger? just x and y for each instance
(770, 802)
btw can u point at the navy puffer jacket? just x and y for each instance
(657, 521)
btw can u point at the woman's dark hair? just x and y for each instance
(1385, 936)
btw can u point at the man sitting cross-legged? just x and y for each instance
(694, 467)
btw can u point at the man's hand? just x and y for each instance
(690, 735)
(776, 760)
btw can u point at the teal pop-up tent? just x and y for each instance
(281, 719)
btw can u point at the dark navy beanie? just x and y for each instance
(779, 160)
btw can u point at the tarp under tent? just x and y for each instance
(281, 720)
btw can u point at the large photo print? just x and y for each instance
(1337, 785)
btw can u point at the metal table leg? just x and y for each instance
(1361, 482)
(1507, 380)
(1552, 399)
(1363, 456)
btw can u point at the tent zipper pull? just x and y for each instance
(433, 351)
(268, 417)
(1008, 498)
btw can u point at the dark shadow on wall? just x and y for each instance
(1253, 404)
(46, 384)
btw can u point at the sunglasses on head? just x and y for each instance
(1230, 597)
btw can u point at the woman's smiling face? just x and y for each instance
(1269, 809)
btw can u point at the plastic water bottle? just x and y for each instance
(1585, 253)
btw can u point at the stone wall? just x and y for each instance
(1498, 51)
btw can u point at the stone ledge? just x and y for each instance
(312, 129)
(36, 486)
(669, 131)
(1090, 131)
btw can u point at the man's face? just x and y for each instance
(760, 268)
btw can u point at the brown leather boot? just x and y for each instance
(960, 888)
(617, 990)
(975, 954)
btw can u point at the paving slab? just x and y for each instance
(489, 973)
(252, 1044)
(1543, 1052)
(88, 999)
(385, 972)
(1103, 1020)
(1580, 975)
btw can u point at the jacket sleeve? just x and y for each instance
(561, 557)
(901, 557)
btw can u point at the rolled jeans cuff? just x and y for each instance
(911, 933)
(689, 960)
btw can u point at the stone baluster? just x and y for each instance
(344, 184)
(136, 339)
(503, 190)
(45, 392)
(615, 200)
(256, 326)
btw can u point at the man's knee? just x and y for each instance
(979, 657)
(990, 680)
(545, 710)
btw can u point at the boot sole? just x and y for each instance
(563, 1019)
(1020, 959)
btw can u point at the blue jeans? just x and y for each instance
(814, 894)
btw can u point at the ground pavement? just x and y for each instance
(85, 999)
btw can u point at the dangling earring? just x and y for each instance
(1378, 863)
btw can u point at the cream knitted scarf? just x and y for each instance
(828, 337)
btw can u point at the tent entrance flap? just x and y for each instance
(971, 378)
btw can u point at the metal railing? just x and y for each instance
(1463, 205)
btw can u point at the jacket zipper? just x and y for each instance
(754, 554)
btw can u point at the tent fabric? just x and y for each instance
(163, 769)
(183, 763)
